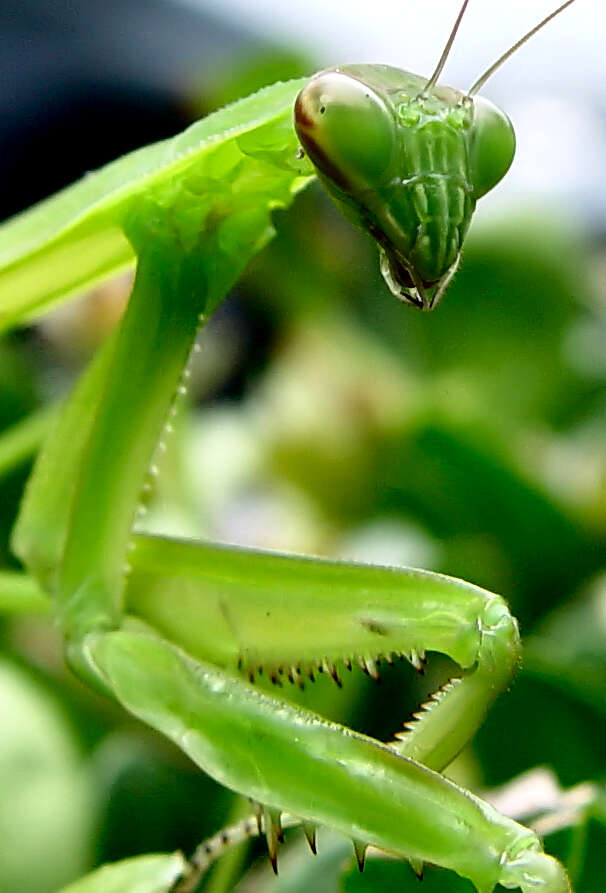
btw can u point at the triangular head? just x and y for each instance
(406, 159)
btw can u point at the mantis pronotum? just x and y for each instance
(176, 631)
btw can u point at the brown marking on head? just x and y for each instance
(302, 118)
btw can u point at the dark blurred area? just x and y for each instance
(325, 418)
(84, 82)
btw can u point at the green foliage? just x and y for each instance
(147, 874)
(47, 793)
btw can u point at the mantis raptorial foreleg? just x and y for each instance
(178, 631)
(233, 608)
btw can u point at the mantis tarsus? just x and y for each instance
(173, 629)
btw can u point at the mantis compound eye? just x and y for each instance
(346, 129)
(492, 148)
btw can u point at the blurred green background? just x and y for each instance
(325, 417)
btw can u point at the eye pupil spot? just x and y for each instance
(322, 109)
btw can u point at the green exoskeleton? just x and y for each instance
(177, 631)
(406, 160)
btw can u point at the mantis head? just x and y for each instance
(406, 160)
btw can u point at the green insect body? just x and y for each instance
(178, 631)
(404, 165)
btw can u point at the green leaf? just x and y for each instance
(46, 809)
(143, 874)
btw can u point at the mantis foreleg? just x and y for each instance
(337, 614)
(242, 737)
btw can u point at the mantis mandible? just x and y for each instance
(176, 631)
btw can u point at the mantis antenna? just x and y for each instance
(433, 80)
(490, 71)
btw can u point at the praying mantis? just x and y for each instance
(177, 631)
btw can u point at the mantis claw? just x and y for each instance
(360, 852)
(273, 835)
(329, 667)
(310, 836)
(258, 813)
(417, 660)
(417, 867)
(370, 668)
